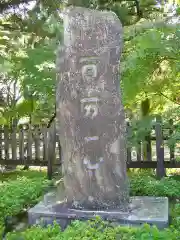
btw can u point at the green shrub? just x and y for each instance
(175, 214)
(93, 230)
(23, 189)
(1, 231)
(21, 192)
(148, 186)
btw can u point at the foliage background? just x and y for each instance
(30, 32)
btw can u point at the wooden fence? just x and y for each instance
(29, 146)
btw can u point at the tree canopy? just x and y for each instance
(30, 32)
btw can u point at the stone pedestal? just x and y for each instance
(151, 210)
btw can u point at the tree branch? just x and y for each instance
(168, 98)
(139, 11)
(5, 5)
(51, 120)
(18, 98)
(134, 31)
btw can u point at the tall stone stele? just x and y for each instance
(90, 114)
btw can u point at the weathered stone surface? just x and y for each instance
(151, 210)
(90, 113)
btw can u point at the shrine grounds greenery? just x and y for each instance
(22, 189)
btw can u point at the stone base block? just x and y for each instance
(151, 210)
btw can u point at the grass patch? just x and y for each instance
(30, 174)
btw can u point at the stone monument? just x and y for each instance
(90, 112)
(91, 126)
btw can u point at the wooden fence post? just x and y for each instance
(148, 147)
(21, 145)
(172, 147)
(37, 143)
(6, 143)
(25, 137)
(29, 144)
(1, 143)
(128, 130)
(138, 151)
(45, 148)
(161, 172)
(51, 148)
(14, 144)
